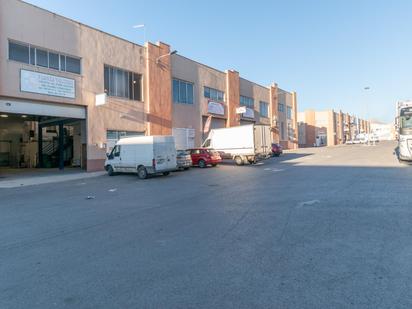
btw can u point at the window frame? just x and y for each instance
(247, 103)
(33, 49)
(127, 78)
(209, 90)
(266, 104)
(183, 86)
(288, 112)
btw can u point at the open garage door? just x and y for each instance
(39, 134)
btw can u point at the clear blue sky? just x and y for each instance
(327, 51)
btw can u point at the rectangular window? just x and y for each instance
(123, 84)
(32, 56)
(72, 65)
(214, 94)
(53, 61)
(282, 130)
(42, 57)
(182, 92)
(281, 107)
(264, 109)
(137, 87)
(175, 90)
(18, 52)
(289, 112)
(246, 101)
(62, 63)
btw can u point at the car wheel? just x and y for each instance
(186, 168)
(277, 155)
(238, 160)
(110, 170)
(141, 172)
(202, 163)
(166, 173)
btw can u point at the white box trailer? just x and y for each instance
(246, 143)
(143, 155)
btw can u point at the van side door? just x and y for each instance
(115, 158)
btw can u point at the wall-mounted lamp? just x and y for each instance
(165, 55)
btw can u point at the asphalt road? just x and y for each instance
(316, 228)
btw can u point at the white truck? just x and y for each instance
(143, 155)
(246, 143)
(404, 129)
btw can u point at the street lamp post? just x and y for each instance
(366, 115)
(144, 31)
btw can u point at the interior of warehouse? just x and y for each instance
(32, 141)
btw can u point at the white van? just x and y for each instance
(143, 155)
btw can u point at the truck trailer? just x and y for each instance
(243, 144)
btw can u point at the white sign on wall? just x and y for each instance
(241, 110)
(250, 113)
(215, 108)
(47, 84)
(101, 99)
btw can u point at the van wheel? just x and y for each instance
(202, 164)
(238, 160)
(141, 172)
(110, 170)
(166, 173)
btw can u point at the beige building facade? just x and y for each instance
(70, 91)
(328, 128)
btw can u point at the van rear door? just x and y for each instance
(165, 155)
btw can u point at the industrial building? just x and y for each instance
(328, 128)
(68, 92)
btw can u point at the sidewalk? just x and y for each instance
(21, 180)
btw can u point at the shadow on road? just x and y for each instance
(282, 158)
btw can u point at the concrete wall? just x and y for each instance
(155, 113)
(190, 115)
(258, 93)
(95, 48)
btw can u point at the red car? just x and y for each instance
(204, 157)
(277, 150)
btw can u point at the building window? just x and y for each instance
(54, 61)
(289, 112)
(121, 83)
(264, 109)
(19, 52)
(246, 101)
(116, 135)
(214, 94)
(26, 53)
(182, 92)
(72, 65)
(282, 130)
(281, 107)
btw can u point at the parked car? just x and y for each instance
(203, 157)
(183, 160)
(143, 155)
(277, 150)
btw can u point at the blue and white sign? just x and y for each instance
(215, 108)
(250, 113)
(47, 84)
